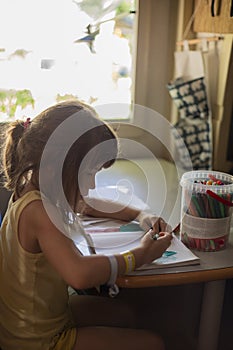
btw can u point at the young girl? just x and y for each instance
(50, 163)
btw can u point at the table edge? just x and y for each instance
(178, 278)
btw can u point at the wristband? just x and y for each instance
(114, 270)
(113, 288)
(129, 261)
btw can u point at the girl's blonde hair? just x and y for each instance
(24, 145)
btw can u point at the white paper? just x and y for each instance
(107, 243)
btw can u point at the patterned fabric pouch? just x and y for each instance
(194, 125)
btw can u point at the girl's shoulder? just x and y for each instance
(32, 204)
(17, 204)
(39, 212)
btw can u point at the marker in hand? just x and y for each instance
(155, 236)
(167, 253)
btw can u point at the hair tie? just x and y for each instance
(27, 123)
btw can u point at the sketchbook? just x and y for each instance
(108, 243)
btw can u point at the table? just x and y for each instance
(149, 180)
(214, 269)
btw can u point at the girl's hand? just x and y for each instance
(154, 249)
(84, 209)
(147, 221)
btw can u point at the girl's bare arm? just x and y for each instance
(81, 271)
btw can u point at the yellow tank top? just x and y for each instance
(33, 297)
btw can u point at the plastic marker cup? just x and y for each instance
(206, 209)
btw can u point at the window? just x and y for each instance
(55, 50)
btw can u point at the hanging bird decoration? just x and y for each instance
(89, 38)
(91, 35)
